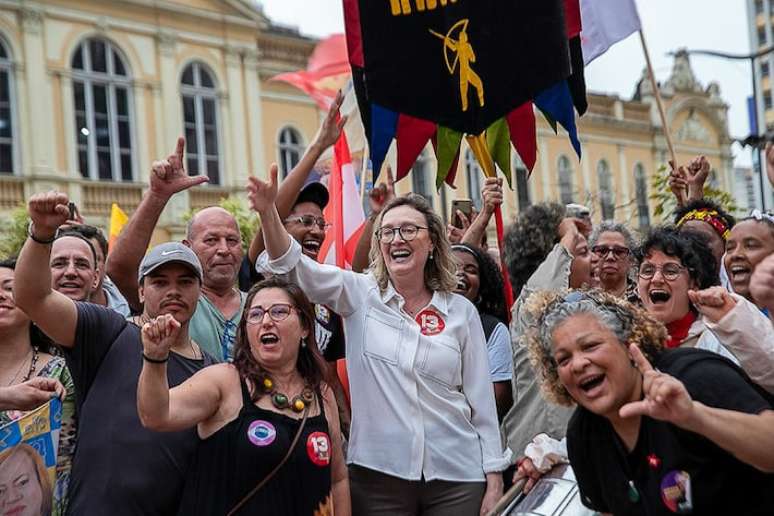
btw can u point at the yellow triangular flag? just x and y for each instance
(118, 220)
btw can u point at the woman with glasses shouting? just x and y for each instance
(268, 423)
(677, 283)
(424, 438)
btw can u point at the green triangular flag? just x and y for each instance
(498, 141)
(447, 145)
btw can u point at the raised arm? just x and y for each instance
(327, 135)
(54, 313)
(186, 405)
(492, 194)
(748, 437)
(167, 178)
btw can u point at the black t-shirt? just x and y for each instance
(120, 467)
(329, 333)
(667, 461)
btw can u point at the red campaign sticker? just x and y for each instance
(430, 323)
(318, 448)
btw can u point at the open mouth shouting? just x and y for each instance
(311, 246)
(659, 296)
(269, 340)
(591, 385)
(740, 273)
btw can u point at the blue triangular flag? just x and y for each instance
(384, 124)
(556, 102)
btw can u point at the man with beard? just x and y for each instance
(118, 464)
(213, 234)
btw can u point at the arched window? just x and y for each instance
(606, 197)
(103, 121)
(291, 148)
(521, 174)
(7, 114)
(475, 178)
(200, 120)
(566, 194)
(421, 182)
(641, 191)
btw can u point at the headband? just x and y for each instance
(711, 217)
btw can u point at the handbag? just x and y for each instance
(273, 472)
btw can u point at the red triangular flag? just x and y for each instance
(521, 122)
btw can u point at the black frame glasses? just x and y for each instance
(619, 253)
(408, 232)
(276, 313)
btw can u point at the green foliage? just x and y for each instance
(13, 231)
(666, 203)
(246, 218)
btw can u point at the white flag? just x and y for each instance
(605, 23)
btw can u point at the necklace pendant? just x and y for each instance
(634, 494)
(280, 400)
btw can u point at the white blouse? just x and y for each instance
(422, 401)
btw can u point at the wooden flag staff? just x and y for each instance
(661, 112)
(480, 150)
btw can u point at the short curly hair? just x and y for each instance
(690, 247)
(546, 310)
(490, 288)
(529, 240)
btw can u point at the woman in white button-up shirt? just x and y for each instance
(424, 437)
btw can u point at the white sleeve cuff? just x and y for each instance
(282, 265)
(498, 464)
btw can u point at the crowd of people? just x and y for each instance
(214, 376)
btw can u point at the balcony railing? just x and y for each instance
(11, 192)
(98, 197)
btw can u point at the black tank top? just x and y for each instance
(232, 461)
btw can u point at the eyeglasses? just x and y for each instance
(408, 232)
(309, 220)
(277, 312)
(670, 271)
(603, 250)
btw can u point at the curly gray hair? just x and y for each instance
(544, 311)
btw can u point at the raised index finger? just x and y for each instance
(180, 148)
(639, 359)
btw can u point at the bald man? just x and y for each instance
(213, 234)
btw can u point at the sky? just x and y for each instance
(668, 25)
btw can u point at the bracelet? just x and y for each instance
(154, 360)
(42, 241)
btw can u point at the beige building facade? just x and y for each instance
(91, 92)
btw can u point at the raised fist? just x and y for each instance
(159, 335)
(48, 211)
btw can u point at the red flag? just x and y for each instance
(344, 210)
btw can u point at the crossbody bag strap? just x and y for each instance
(276, 468)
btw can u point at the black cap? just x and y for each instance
(314, 192)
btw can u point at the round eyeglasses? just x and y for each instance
(603, 250)
(277, 312)
(408, 232)
(670, 271)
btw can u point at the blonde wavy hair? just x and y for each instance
(544, 311)
(440, 270)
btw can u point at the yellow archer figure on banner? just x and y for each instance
(465, 56)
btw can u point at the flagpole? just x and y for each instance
(660, 104)
(363, 172)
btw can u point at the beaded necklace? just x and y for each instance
(282, 401)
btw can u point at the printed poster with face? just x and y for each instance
(28, 447)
